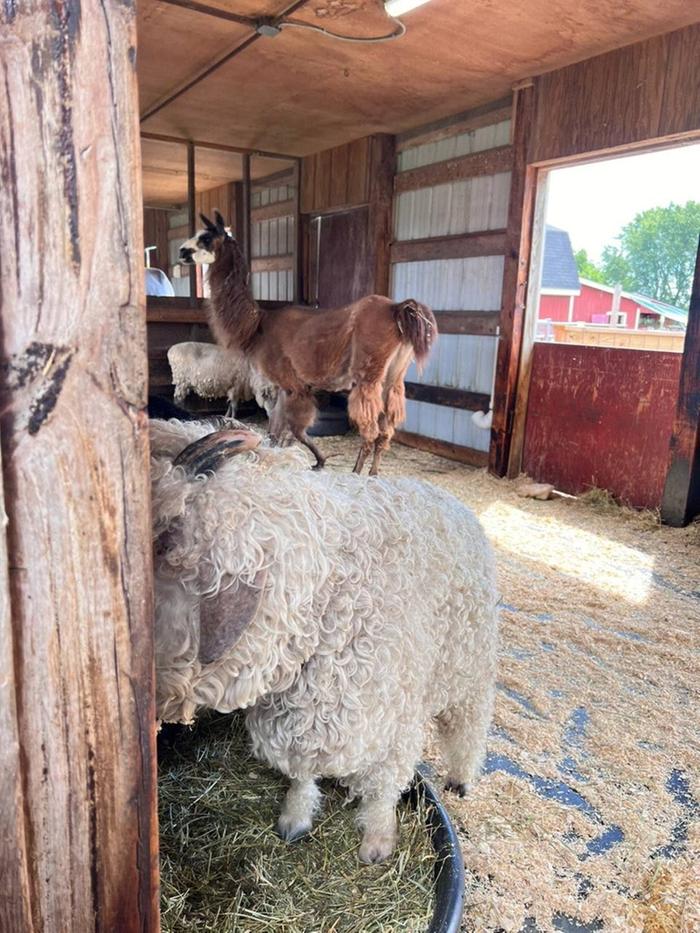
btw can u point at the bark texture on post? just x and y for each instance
(77, 816)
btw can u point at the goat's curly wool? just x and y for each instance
(378, 613)
(213, 372)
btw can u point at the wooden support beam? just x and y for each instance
(486, 115)
(446, 395)
(78, 824)
(515, 282)
(459, 246)
(271, 211)
(272, 263)
(468, 323)
(217, 147)
(382, 169)
(475, 458)
(298, 283)
(488, 162)
(244, 224)
(192, 211)
(681, 498)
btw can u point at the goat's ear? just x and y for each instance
(224, 618)
(220, 222)
(208, 224)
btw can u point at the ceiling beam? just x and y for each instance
(210, 69)
(217, 147)
(194, 7)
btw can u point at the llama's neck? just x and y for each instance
(234, 315)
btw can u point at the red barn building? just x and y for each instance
(564, 296)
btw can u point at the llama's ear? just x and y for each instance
(224, 618)
(208, 224)
(220, 222)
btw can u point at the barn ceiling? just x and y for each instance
(301, 92)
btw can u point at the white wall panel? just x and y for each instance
(458, 207)
(473, 284)
(485, 137)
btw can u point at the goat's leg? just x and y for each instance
(300, 805)
(232, 404)
(377, 819)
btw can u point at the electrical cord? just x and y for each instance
(297, 24)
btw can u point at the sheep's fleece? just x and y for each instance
(375, 612)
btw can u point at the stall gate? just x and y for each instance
(450, 213)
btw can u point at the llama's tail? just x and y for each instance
(417, 326)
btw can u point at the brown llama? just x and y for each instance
(363, 348)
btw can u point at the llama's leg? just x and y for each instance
(393, 414)
(463, 731)
(364, 408)
(300, 805)
(301, 412)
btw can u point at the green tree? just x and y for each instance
(656, 253)
(587, 269)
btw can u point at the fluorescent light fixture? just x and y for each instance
(399, 7)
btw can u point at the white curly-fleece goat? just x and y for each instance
(343, 612)
(213, 372)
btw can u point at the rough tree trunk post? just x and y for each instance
(77, 814)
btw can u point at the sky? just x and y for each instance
(593, 202)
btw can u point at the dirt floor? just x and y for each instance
(588, 814)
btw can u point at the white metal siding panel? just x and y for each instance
(458, 207)
(473, 284)
(485, 137)
(445, 424)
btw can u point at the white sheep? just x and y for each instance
(344, 613)
(212, 372)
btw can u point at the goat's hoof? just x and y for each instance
(319, 465)
(458, 788)
(376, 849)
(291, 831)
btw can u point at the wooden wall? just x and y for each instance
(638, 93)
(78, 826)
(155, 233)
(601, 417)
(337, 178)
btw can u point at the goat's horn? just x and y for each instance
(208, 453)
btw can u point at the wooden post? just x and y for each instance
(382, 169)
(192, 210)
(528, 330)
(245, 219)
(514, 282)
(681, 498)
(298, 250)
(78, 832)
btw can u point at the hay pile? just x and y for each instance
(224, 870)
(588, 815)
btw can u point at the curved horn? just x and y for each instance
(208, 453)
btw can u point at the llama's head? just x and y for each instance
(203, 246)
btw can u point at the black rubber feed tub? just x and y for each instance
(449, 870)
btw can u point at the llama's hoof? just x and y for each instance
(376, 849)
(457, 788)
(291, 830)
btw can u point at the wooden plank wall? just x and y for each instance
(273, 237)
(155, 233)
(452, 193)
(78, 826)
(336, 179)
(642, 92)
